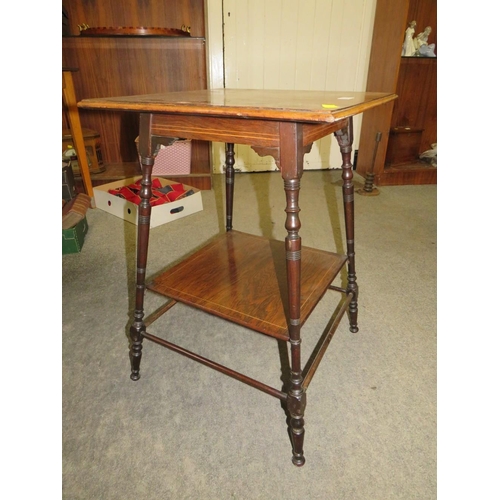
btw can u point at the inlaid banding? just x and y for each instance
(293, 255)
(148, 160)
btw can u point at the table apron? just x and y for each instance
(252, 132)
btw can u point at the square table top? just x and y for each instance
(285, 105)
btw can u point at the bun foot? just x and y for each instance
(354, 329)
(135, 376)
(298, 460)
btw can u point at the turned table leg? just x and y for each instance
(138, 326)
(229, 185)
(344, 138)
(291, 157)
(296, 401)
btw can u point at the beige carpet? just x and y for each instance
(184, 431)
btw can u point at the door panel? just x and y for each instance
(296, 44)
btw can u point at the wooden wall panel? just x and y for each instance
(386, 46)
(114, 66)
(417, 81)
(429, 135)
(149, 13)
(413, 79)
(416, 84)
(424, 12)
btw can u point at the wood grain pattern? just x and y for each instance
(165, 14)
(242, 278)
(132, 31)
(383, 71)
(282, 105)
(412, 79)
(263, 285)
(417, 103)
(70, 104)
(424, 12)
(410, 173)
(126, 66)
(261, 135)
(248, 131)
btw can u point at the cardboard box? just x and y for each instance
(73, 238)
(174, 159)
(159, 215)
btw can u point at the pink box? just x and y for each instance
(174, 159)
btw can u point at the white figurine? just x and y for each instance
(421, 38)
(408, 45)
(427, 50)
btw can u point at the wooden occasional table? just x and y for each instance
(236, 276)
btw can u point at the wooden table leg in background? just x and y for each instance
(69, 99)
(229, 185)
(344, 138)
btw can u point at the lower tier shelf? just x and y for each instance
(242, 278)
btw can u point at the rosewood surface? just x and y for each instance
(242, 278)
(261, 284)
(281, 105)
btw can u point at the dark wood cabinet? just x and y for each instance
(118, 65)
(409, 125)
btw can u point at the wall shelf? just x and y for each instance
(114, 65)
(409, 125)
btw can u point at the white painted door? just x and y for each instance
(290, 44)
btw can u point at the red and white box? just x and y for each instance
(174, 159)
(160, 214)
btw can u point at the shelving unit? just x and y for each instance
(131, 65)
(409, 125)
